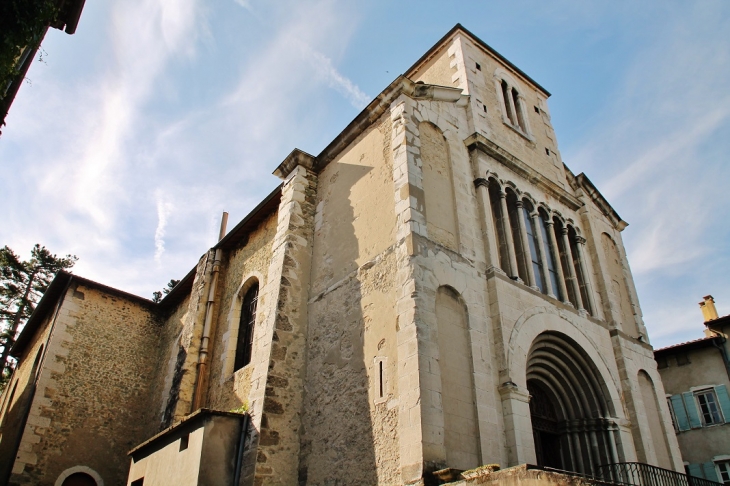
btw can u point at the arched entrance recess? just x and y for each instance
(571, 413)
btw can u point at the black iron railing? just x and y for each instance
(639, 474)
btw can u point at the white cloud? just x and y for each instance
(323, 67)
(163, 211)
(657, 153)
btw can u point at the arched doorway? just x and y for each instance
(572, 419)
(79, 479)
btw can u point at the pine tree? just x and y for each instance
(157, 296)
(22, 284)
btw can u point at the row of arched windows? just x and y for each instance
(538, 247)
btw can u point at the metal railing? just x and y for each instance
(639, 474)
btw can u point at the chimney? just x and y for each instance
(708, 308)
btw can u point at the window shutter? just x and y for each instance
(692, 413)
(695, 470)
(680, 413)
(722, 397)
(710, 472)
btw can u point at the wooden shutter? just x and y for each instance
(680, 412)
(691, 406)
(724, 401)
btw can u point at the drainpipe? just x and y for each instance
(205, 340)
(721, 347)
(239, 454)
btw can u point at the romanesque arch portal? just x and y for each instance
(571, 413)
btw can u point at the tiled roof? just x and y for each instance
(686, 343)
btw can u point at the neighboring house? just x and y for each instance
(696, 377)
(69, 12)
(434, 290)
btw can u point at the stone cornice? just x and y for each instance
(295, 158)
(376, 108)
(479, 142)
(600, 201)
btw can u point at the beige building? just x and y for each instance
(696, 377)
(434, 289)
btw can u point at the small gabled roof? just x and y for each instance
(461, 29)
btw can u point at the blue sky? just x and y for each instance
(134, 134)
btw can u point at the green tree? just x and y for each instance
(22, 284)
(157, 296)
(22, 24)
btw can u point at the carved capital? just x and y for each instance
(580, 240)
(481, 182)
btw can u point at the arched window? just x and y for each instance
(496, 205)
(244, 343)
(549, 252)
(566, 260)
(520, 253)
(506, 93)
(519, 118)
(534, 247)
(578, 267)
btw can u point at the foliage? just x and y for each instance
(157, 296)
(22, 284)
(242, 409)
(22, 23)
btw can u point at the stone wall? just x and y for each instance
(241, 266)
(92, 399)
(16, 399)
(351, 359)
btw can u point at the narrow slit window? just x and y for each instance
(380, 379)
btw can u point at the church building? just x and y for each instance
(435, 289)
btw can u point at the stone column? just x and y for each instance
(571, 273)
(556, 259)
(526, 256)
(507, 228)
(489, 233)
(523, 114)
(543, 257)
(511, 106)
(580, 242)
(517, 424)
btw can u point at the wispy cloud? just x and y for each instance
(323, 67)
(655, 153)
(163, 211)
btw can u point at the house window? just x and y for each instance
(244, 344)
(723, 471)
(683, 359)
(709, 411)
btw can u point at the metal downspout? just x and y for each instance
(720, 346)
(239, 453)
(202, 372)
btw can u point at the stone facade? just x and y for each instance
(435, 289)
